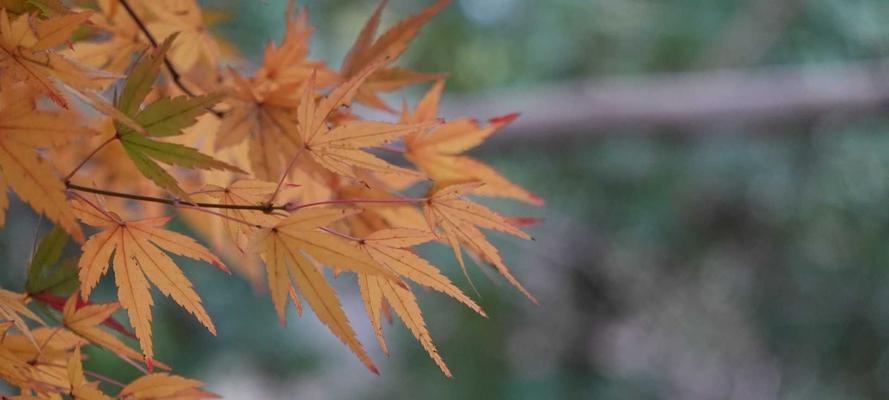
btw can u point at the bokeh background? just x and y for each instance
(716, 178)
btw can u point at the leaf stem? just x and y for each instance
(96, 207)
(400, 200)
(342, 235)
(92, 153)
(104, 378)
(175, 202)
(286, 172)
(177, 77)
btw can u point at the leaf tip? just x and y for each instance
(149, 363)
(222, 266)
(504, 119)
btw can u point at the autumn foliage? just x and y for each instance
(116, 116)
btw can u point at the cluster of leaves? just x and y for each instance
(273, 168)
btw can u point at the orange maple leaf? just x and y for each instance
(460, 220)
(135, 250)
(438, 152)
(22, 128)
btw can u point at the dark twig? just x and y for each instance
(175, 202)
(177, 77)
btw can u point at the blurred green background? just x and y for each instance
(721, 260)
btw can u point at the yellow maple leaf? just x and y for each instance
(288, 62)
(135, 248)
(284, 247)
(263, 117)
(14, 309)
(22, 128)
(242, 193)
(438, 152)
(374, 290)
(41, 369)
(460, 220)
(339, 149)
(163, 386)
(388, 46)
(195, 46)
(85, 321)
(25, 55)
(113, 50)
(391, 248)
(80, 387)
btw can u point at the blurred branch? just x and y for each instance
(689, 99)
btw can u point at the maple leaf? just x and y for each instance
(14, 370)
(339, 149)
(460, 220)
(196, 47)
(242, 193)
(374, 290)
(163, 117)
(80, 387)
(438, 152)
(135, 248)
(85, 321)
(119, 36)
(264, 117)
(42, 7)
(44, 369)
(24, 54)
(22, 128)
(284, 247)
(288, 63)
(390, 247)
(263, 107)
(389, 46)
(163, 386)
(14, 309)
(40, 276)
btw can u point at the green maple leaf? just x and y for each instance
(166, 116)
(46, 273)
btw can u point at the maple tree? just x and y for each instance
(110, 120)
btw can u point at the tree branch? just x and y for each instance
(558, 112)
(401, 200)
(175, 202)
(177, 77)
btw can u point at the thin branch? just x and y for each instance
(175, 202)
(401, 200)
(189, 206)
(96, 207)
(205, 191)
(92, 153)
(46, 343)
(103, 378)
(284, 175)
(177, 77)
(342, 235)
(92, 374)
(131, 362)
